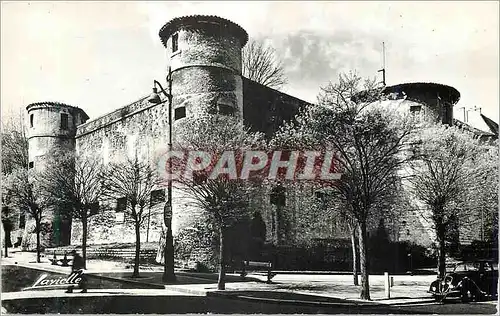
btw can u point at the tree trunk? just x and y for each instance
(84, 240)
(354, 255)
(363, 261)
(221, 284)
(38, 242)
(6, 243)
(137, 249)
(440, 233)
(169, 275)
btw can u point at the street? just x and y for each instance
(292, 293)
(123, 303)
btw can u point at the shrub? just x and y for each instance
(197, 244)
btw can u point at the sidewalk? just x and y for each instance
(299, 288)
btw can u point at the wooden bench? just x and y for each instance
(251, 266)
(64, 261)
(18, 242)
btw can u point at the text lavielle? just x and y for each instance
(44, 281)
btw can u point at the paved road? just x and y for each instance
(147, 302)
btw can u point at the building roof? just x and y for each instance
(204, 22)
(476, 131)
(416, 90)
(265, 109)
(56, 104)
(491, 124)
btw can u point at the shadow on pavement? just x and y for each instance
(173, 304)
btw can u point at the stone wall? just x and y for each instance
(111, 226)
(137, 129)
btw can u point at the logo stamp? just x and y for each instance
(44, 281)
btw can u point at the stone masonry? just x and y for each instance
(204, 54)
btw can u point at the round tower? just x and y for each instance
(205, 60)
(434, 100)
(204, 54)
(52, 127)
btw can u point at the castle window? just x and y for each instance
(415, 109)
(94, 208)
(225, 106)
(31, 120)
(31, 165)
(64, 121)
(447, 114)
(157, 197)
(180, 112)
(22, 220)
(199, 177)
(175, 42)
(278, 196)
(225, 109)
(121, 204)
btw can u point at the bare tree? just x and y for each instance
(133, 180)
(75, 185)
(481, 197)
(14, 145)
(444, 168)
(27, 193)
(339, 208)
(14, 156)
(261, 63)
(8, 218)
(368, 141)
(223, 199)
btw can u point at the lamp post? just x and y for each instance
(168, 254)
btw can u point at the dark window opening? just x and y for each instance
(415, 109)
(180, 113)
(199, 177)
(31, 120)
(121, 204)
(320, 195)
(94, 208)
(22, 220)
(278, 196)
(64, 121)
(225, 109)
(157, 196)
(447, 114)
(31, 165)
(175, 42)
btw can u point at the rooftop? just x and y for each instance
(416, 89)
(205, 22)
(56, 104)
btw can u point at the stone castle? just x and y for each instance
(205, 55)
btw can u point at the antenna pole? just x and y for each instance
(383, 63)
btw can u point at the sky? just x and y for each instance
(101, 56)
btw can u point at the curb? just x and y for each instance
(385, 301)
(146, 284)
(233, 295)
(197, 292)
(346, 302)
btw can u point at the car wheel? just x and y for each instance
(466, 297)
(466, 294)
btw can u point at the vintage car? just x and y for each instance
(468, 280)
